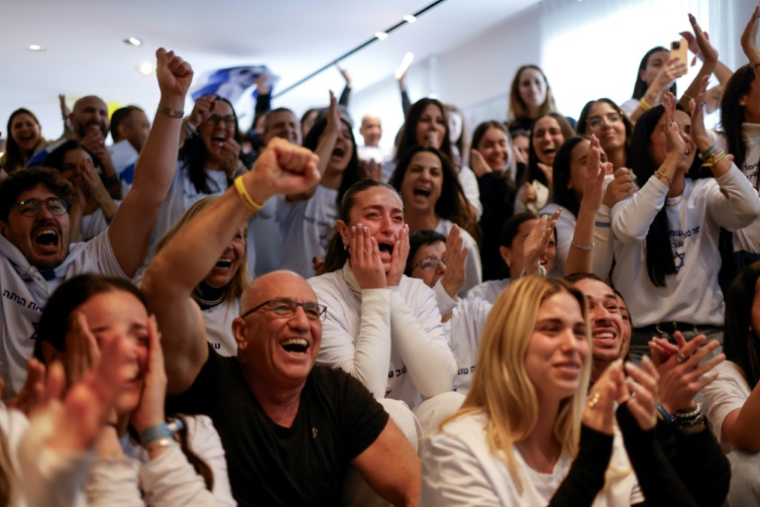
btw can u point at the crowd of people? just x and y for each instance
(552, 312)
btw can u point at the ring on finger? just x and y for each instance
(680, 358)
(594, 400)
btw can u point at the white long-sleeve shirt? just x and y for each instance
(692, 294)
(168, 480)
(392, 340)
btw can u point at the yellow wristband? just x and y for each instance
(643, 104)
(713, 161)
(243, 193)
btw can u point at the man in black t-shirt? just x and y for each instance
(290, 430)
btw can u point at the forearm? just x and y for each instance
(586, 476)
(263, 103)
(702, 466)
(113, 481)
(75, 223)
(722, 72)
(170, 480)
(737, 203)
(372, 352)
(659, 482)
(603, 243)
(741, 429)
(581, 260)
(695, 86)
(108, 206)
(429, 361)
(345, 96)
(632, 217)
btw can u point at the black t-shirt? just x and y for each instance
(271, 465)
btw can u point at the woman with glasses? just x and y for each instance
(218, 294)
(208, 161)
(308, 219)
(666, 234)
(382, 327)
(434, 200)
(441, 271)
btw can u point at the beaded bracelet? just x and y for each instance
(709, 152)
(688, 415)
(586, 248)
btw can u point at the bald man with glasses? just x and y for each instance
(291, 431)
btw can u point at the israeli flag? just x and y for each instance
(232, 82)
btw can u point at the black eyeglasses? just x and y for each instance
(429, 264)
(229, 121)
(287, 308)
(31, 207)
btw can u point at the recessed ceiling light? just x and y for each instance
(35, 47)
(409, 18)
(146, 69)
(381, 35)
(133, 41)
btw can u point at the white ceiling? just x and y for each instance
(85, 53)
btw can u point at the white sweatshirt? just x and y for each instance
(168, 480)
(747, 239)
(218, 321)
(392, 340)
(691, 295)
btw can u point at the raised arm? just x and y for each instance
(749, 41)
(324, 149)
(173, 274)
(672, 70)
(709, 57)
(345, 96)
(133, 224)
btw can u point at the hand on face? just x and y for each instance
(479, 165)
(151, 409)
(229, 156)
(366, 265)
(398, 257)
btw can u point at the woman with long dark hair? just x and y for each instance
(666, 234)
(655, 77)
(427, 125)
(207, 163)
(82, 316)
(434, 200)
(604, 119)
(308, 220)
(534, 189)
(24, 140)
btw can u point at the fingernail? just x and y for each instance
(646, 359)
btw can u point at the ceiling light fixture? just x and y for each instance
(133, 41)
(36, 48)
(146, 69)
(378, 36)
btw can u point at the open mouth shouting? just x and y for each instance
(386, 249)
(223, 263)
(295, 346)
(337, 155)
(219, 140)
(46, 239)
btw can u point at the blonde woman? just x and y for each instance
(527, 434)
(218, 295)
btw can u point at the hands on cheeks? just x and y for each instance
(398, 258)
(365, 259)
(151, 409)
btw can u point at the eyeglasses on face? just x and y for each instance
(429, 264)
(229, 121)
(287, 308)
(31, 207)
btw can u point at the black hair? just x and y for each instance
(193, 154)
(337, 252)
(416, 241)
(353, 172)
(533, 172)
(268, 115)
(561, 173)
(640, 88)
(732, 114)
(452, 204)
(22, 181)
(13, 158)
(659, 252)
(577, 277)
(58, 316)
(121, 116)
(740, 341)
(408, 135)
(55, 157)
(581, 126)
(512, 225)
